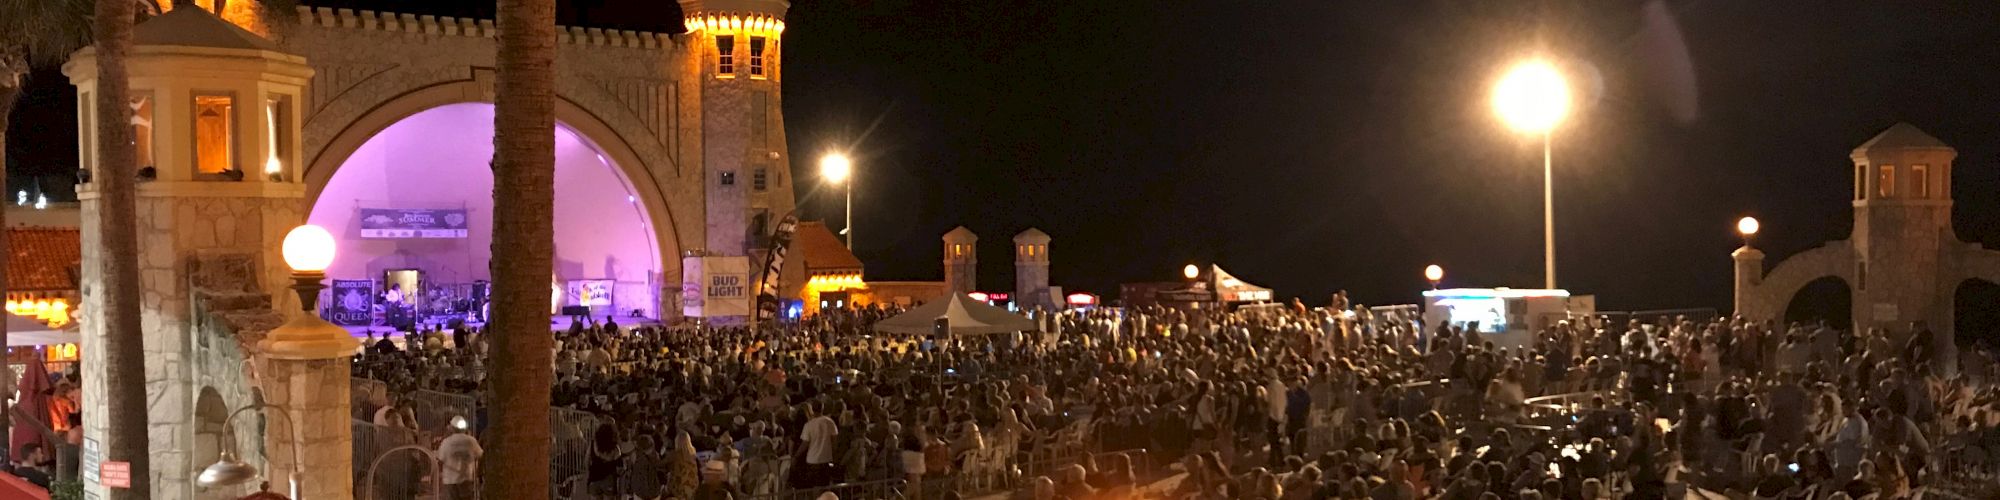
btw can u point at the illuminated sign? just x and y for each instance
(1082, 299)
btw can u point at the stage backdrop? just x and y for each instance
(715, 287)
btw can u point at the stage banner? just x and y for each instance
(393, 223)
(593, 293)
(720, 287)
(353, 303)
(774, 265)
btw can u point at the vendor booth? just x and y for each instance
(1505, 316)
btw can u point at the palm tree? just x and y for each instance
(523, 250)
(32, 33)
(125, 354)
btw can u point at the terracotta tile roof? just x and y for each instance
(821, 249)
(42, 257)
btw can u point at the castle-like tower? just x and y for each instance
(961, 261)
(1903, 262)
(734, 56)
(1031, 269)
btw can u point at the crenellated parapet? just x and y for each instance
(328, 17)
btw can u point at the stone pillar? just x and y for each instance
(1749, 274)
(313, 393)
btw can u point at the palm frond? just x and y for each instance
(49, 29)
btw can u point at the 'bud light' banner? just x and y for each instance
(352, 303)
(413, 223)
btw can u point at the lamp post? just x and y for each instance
(1435, 274)
(837, 168)
(299, 350)
(1747, 227)
(228, 470)
(1191, 272)
(1533, 98)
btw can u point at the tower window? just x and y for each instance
(756, 57)
(1920, 180)
(729, 178)
(760, 179)
(725, 55)
(142, 128)
(214, 133)
(1886, 184)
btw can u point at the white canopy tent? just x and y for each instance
(966, 317)
(25, 331)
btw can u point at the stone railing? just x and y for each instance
(465, 26)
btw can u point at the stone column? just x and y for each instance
(313, 393)
(1750, 274)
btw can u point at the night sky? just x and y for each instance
(1316, 145)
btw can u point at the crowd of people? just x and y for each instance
(1279, 403)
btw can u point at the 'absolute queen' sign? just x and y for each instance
(352, 303)
(390, 223)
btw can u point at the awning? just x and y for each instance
(965, 315)
(26, 331)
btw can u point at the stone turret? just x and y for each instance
(1031, 269)
(961, 261)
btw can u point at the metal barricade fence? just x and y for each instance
(569, 467)
(399, 476)
(434, 410)
(363, 394)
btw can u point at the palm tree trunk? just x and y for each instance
(523, 251)
(125, 358)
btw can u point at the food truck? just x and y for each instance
(1505, 316)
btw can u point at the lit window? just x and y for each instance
(142, 130)
(756, 57)
(760, 179)
(725, 55)
(1886, 184)
(1920, 180)
(1860, 182)
(729, 178)
(214, 133)
(278, 134)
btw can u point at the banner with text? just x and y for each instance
(393, 223)
(715, 286)
(352, 303)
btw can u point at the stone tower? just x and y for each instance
(1903, 262)
(735, 69)
(1031, 269)
(961, 261)
(216, 119)
(1902, 218)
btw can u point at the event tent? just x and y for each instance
(965, 315)
(26, 331)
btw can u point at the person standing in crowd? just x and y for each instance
(816, 443)
(459, 455)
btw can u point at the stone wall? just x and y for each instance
(231, 316)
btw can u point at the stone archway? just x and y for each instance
(1976, 312)
(1828, 298)
(211, 436)
(650, 194)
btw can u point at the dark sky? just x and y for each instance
(1315, 145)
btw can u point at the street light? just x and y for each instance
(836, 168)
(1747, 227)
(1434, 273)
(1533, 98)
(1191, 272)
(230, 471)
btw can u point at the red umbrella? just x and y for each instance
(34, 403)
